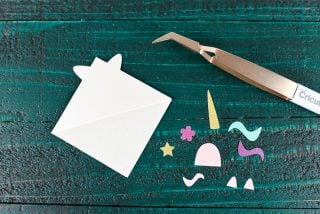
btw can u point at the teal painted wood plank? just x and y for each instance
(296, 10)
(38, 168)
(38, 57)
(48, 209)
(36, 82)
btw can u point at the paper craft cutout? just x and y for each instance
(243, 152)
(213, 118)
(167, 149)
(190, 182)
(250, 135)
(208, 155)
(249, 184)
(232, 182)
(112, 115)
(187, 133)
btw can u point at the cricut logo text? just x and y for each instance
(304, 95)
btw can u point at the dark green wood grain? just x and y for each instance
(36, 82)
(45, 39)
(38, 59)
(48, 209)
(272, 10)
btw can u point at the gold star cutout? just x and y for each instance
(167, 149)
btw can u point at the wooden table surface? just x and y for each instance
(42, 40)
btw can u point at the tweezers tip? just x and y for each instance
(155, 41)
(163, 38)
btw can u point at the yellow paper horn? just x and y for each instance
(213, 118)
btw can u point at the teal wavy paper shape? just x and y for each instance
(250, 135)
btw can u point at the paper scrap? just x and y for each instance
(232, 182)
(208, 155)
(243, 152)
(190, 182)
(249, 184)
(112, 115)
(250, 135)
(187, 133)
(213, 117)
(167, 149)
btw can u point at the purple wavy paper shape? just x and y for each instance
(243, 152)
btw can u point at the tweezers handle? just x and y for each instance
(250, 72)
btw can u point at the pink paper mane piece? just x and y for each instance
(208, 155)
(190, 182)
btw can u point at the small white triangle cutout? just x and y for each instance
(232, 182)
(249, 184)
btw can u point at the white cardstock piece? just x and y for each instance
(112, 115)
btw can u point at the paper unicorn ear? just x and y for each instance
(81, 71)
(249, 184)
(116, 61)
(232, 182)
(113, 64)
(98, 64)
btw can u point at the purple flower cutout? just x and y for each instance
(187, 133)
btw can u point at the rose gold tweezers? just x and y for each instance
(252, 73)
